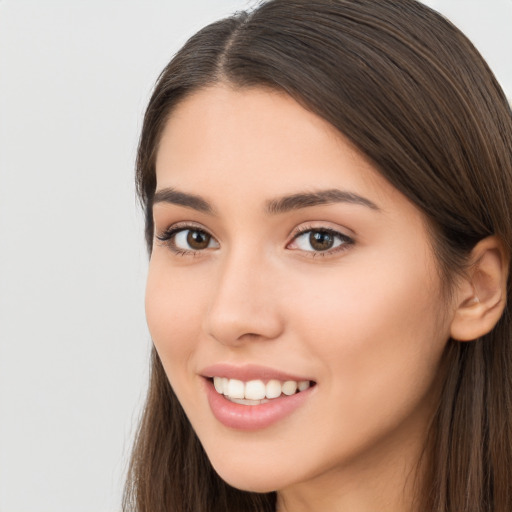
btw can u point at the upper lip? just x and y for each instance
(248, 372)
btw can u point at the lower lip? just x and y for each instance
(253, 417)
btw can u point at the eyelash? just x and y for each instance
(345, 240)
(168, 238)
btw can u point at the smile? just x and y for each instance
(257, 392)
(272, 395)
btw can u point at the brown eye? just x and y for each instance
(188, 240)
(321, 240)
(198, 240)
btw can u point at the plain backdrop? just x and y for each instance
(74, 80)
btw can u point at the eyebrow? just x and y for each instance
(308, 199)
(274, 206)
(173, 196)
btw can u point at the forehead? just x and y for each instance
(225, 134)
(243, 146)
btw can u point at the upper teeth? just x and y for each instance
(257, 389)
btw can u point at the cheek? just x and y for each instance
(378, 328)
(378, 342)
(173, 314)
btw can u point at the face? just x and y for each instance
(293, 296)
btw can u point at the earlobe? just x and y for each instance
(481, 295)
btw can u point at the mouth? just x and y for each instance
(257, 391)
(253, 397)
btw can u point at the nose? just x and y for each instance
(245, 304)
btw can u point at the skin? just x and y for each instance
(366, 320)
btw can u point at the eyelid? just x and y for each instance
(322, 226)
(178, 226)
(166, 237)
(347, 240)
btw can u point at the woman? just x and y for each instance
(327, 187)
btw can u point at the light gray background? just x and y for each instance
(74, 80)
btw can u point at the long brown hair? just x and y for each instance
(413, 94)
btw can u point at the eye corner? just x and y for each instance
(316, 241)
(186, 239)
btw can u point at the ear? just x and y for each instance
(481, 295)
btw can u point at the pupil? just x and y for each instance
(321, 240)
(198, 239)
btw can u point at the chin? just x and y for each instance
(255, 479)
